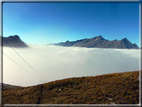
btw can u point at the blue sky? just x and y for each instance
(45, 23)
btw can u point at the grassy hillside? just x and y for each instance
(123, 88)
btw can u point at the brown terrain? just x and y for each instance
(118, 88)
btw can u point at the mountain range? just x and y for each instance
(95, 42)
(13, 41)
(100, 42)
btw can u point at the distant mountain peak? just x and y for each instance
(13, 41)
(67, 41)
(135, 44)
(16, 36)
(99, 38)
(125, 39)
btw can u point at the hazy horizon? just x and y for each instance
(56, 62)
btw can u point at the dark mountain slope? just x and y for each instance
(13, 41)
(100, 42)
(118, 88)
(7, 86)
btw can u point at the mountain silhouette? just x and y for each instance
(13, 41)
(100, 42)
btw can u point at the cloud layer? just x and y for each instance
(55, 62)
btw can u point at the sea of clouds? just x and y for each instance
(55, 62)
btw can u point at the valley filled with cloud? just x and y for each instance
(55, 62)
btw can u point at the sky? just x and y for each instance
(46, 23)
(55, 63)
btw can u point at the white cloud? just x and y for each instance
(55, 62)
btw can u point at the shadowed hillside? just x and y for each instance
(119, 88)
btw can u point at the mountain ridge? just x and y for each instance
(13, 41)
(100, 42)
